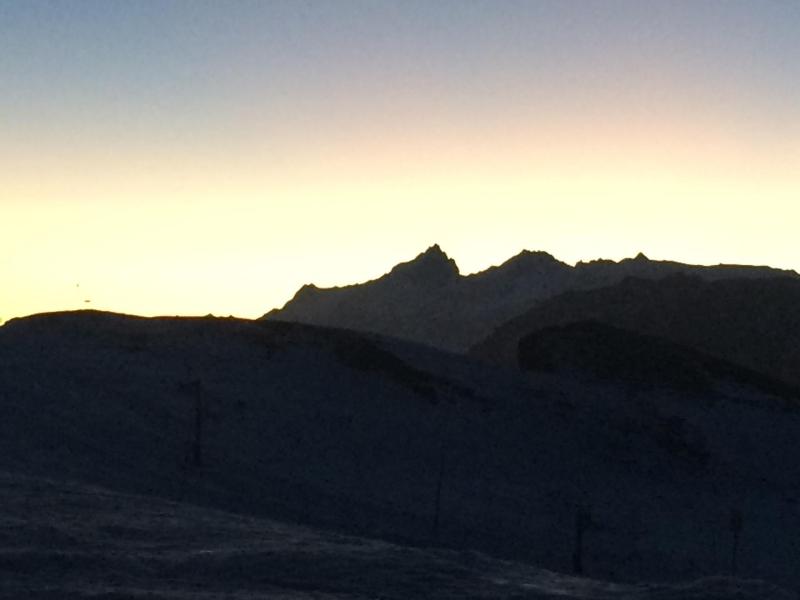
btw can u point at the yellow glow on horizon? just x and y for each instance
(237, 228)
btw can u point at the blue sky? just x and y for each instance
(286, 137)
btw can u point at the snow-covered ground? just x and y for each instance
(65, 541)
(367, 437)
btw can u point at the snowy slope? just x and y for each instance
(66, 540)
(368, 436)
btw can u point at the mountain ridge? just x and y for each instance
(754, 323)
(427, 299)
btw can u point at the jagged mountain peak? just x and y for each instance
(307, 290)
(528, 258)
(435, 249)
(431, 266)
(427, 300)
(525, 263)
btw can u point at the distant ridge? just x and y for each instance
(751, 323)
(598, 351)
(427, 300)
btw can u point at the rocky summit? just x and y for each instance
(426, 300)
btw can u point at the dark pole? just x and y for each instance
(583, 520)
(438, 499)
(196, 392)
(736, 524)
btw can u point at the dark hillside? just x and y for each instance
(754, 323)
(373, 437)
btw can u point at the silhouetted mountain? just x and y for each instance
(426, 300)
(432, 268)
(375, 437)
(754, 323)
(596, 350)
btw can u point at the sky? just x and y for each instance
(195, 157)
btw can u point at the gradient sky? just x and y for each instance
(187, 157)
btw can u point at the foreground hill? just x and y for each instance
(426, 300)
(72, 541)
(379, 438)
(754, 323)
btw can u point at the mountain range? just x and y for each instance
(604, 431)
(427, 300)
